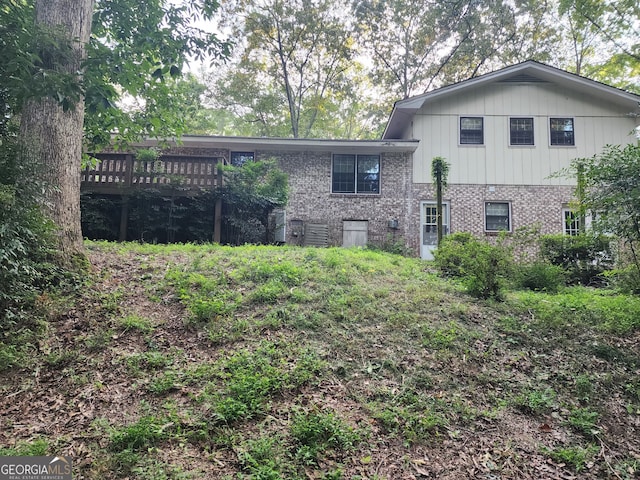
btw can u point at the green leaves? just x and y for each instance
(250, 194)
(612, 191)
(137, 53)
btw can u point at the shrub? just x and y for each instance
(25, 236)
(393, 245)
(449, 255)
(626, 276)
(584, 257)
(540, 276)
(482, 266)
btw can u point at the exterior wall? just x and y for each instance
(530, 205)
(311, 200)
(596, 124)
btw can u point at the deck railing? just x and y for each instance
(115, 173)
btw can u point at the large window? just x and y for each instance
(521, 131)
(356, 174)
(562, 132)
(497, 216)
(471, 131)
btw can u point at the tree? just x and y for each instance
(136, 49)
(605, 36)
(419, 45)
(250, 193)
(293, 65)
(136, 58)
(612, 192)
(54, 129)
(439, 173)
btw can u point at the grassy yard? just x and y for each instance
(266, 363)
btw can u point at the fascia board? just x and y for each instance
(287, 144)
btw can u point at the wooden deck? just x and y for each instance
(183, 175)
(121, 174)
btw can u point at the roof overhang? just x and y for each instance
(285, 144)
(530, 70)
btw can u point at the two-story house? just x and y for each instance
(504, 134)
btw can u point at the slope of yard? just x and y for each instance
(207, 362)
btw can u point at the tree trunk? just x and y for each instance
(55, 135)
(439, 206)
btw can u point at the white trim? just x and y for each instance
(533, 125)
(426, 251)
(484, 219)
(573, 122)
(286, 144)
(460, 144)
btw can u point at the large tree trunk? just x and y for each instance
(55, 135)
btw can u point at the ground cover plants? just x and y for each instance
(196, 362)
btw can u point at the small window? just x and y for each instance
(571, 222)
(355, 174)
(497, 216)
(238, 159)
(471, 131)
(562, 131)
(521, 131)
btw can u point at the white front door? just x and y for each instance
(429, 227)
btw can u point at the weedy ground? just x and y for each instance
(208, 362)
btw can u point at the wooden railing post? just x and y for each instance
(128, 174)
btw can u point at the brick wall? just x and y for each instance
(530, 204)
(311, 200)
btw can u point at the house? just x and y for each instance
(505, 134)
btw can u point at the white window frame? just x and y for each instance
(572, 228)
(573, 125)
(509, 216)
(460, 131)
(533, 131)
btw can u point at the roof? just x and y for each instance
(289, 144)
(529, 71)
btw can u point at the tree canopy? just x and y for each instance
(318, 69)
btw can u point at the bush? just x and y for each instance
(540, 276)
(392, 245)
(584, 257)
(482, 266)
(626, 276)
(25, 236)
(626, 279)
(450, 253)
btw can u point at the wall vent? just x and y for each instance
(316, 234)
(523, 78)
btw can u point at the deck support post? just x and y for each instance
(217, 221)
(124, 218)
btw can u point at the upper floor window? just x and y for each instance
(355, 174)
(497, 216)
(562, 131)
(238, 159)
(521, 131)
(471, 131)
